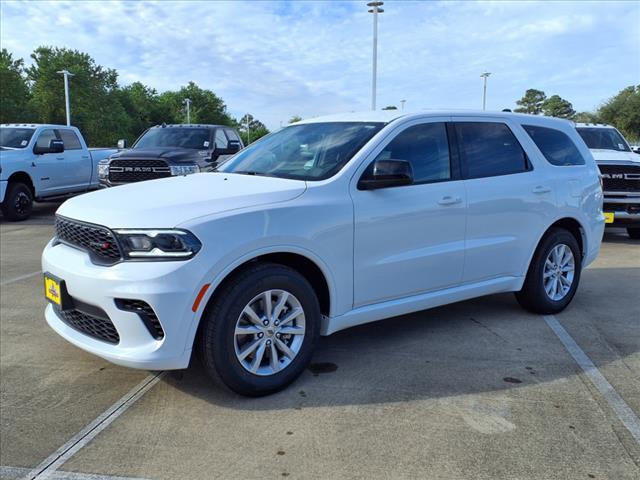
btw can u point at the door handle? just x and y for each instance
(59, 158)
(541, 189)
(448, 200)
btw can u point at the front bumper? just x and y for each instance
(168, 287)
(624, 207)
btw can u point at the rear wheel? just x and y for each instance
(554, 274)
(259, 333)
(18, 202)
(634, 232)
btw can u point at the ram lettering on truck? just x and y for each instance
(43, 162)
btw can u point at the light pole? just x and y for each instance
(248, 131)
(375, 9)
(402, 104)
(66, 75)
(485, 75)
(187, 102)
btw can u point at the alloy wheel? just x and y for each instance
(559, 271)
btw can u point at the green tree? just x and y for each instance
(14, 90)
(295, 119)
(556, 106)
(251, 129)
(531, 102)
(143, 107)
(586, 117)
(206, 106)
(390, 107)
(623, 112)
(94, 98)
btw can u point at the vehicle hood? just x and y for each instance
(171, 154)
(614, 156)
(168, 202)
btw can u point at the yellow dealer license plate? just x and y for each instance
(608, 217)
(52, 290)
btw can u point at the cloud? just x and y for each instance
(279, 59)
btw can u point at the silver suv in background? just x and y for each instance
(620, 169)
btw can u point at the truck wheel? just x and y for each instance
(260, 330)
(634, 232)
(18, 202)
(554, 274)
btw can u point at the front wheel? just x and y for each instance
(18, 202)
(554, 274)
(633, 232)
(260, 330)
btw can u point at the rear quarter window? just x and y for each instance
(556, 146)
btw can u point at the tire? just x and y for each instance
(634, 232)
(18, 202)
(221, 346)
(534, 296)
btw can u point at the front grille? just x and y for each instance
(93, 326)
(620, 178)
(132, 170)
(146, 314)
(99, 241)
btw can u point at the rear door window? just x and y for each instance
(221, 139)
(70, 140)
(489, 149)
(556, 146)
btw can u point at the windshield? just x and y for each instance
(603, 139)
(313, 151)
(15, 137)
(196, 138)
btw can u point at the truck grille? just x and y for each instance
(620, 178)
(131, 170)
(98, 241)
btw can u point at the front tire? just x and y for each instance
(260, 330)
(554, 274)
(18, 202)
(634, 232)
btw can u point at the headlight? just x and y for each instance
(158, 244)
(103, 170)
(184, 169)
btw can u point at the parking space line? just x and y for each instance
(48, 466)
(14, 473)
(622, 410)
(21, 277)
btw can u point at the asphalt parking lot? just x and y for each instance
(479, 389)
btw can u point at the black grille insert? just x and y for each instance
(146, 314)
(620, 178)
(99, 241)
(137, 170)
(100, 328)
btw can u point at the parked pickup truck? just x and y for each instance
(620, 171)
(170, 150)
(42, 162)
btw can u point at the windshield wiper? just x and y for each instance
(251, 172)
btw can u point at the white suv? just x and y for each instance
(326, 224)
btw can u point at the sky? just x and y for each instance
(309, 58)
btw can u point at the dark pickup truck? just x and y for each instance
(170, 150)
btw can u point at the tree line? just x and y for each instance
(622, 110)
(101, 108)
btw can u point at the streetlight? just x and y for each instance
(187, 102)
(402, 104)
(375, 9)
(67, 74)
(485, 75)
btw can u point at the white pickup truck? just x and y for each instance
(42, 162)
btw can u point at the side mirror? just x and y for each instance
(55, 146)
(234, 146)
(122, 144)
(386, 173)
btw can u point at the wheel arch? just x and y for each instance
(303, 262)
(22, 177)
(573, 226)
